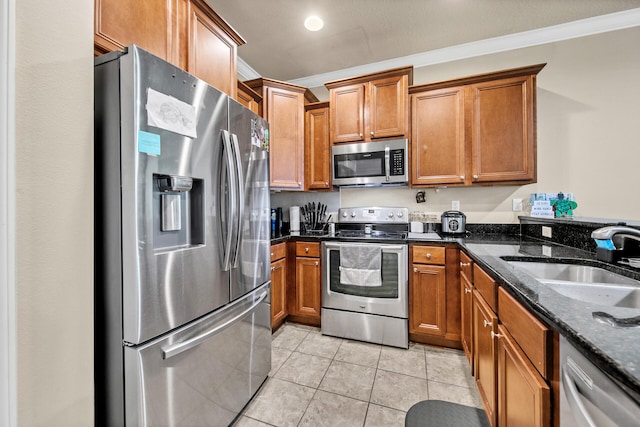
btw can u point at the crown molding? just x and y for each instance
(581, 28)
(245, 71)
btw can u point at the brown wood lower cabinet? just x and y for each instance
(434, 297)
(515, 360)
(466, 303)
(485, 324)
(523, 395)
(278, 285)
(304, 299)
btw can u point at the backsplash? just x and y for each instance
(574, 232)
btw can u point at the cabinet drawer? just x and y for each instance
(428, 254)
(308, 249)
(466, 266)
(486, 286)
(278, 251)
(532, 335)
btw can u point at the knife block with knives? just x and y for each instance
(314, 217)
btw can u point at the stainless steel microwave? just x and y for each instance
(371, 164)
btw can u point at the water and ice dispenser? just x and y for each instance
(177, 211)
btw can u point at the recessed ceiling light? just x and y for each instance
(313, 23)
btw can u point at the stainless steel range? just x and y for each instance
(364, 276)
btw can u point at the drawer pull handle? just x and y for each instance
(428, 256)
(306, 250)
(272, 254)
(494, 335)
(467, 290)
(316, 263)
(487, 323)
(273, 268)
(464, 264)
(462, 177)
(415, 269)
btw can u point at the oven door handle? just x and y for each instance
(387, 163)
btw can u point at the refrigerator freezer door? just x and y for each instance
(170, 133)
(205, 373)
(252, 264)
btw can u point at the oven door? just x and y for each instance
(388, 299)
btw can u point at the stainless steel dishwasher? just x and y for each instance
(589, 397)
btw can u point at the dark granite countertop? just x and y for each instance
(616, 350)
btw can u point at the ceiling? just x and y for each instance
(360, 32)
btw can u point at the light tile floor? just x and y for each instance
(316, 380)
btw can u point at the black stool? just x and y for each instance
(438, 413)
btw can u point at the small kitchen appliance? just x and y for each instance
(371, 164)
(453, 223)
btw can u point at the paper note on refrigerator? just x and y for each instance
(168, 113)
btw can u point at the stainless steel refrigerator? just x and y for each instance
(182, 229)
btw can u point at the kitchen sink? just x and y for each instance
(585, 283)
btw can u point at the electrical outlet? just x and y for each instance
(546, 250)
(455, 205)
(546, 231)
(516, 205)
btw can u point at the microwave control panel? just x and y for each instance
(397, 162)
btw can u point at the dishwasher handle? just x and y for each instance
(578, 410)
(181, 347)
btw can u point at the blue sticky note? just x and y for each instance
(148, 143)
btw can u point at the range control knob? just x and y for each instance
(400, 214)
(344, 214)
(353, 214)
(390, 214)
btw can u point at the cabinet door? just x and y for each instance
(438, 137)
(317, 149)
(308, 287)
(524, 399)
(285, 114)
(212, 53)
(427, 294)
(502, 127)
(278, 292)
(466, 296)
(151, 24)
(347, 113)
(388, 107)
(484, 352)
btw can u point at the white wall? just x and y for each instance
(588, 139)
(54, 210)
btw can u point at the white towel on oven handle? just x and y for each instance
(360, 265)
(360, 277)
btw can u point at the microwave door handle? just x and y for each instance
(240, 198)
(232, 199)
(387, 165)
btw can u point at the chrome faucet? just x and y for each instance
(616, 233)
(612, 242)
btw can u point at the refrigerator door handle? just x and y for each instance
(240, 198)
(181, 347)
(232, 200)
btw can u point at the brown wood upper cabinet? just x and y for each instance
(370, 107)
(475, 130)
(283, 108)
(317, 153)
(249, 98)
(186, 33)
